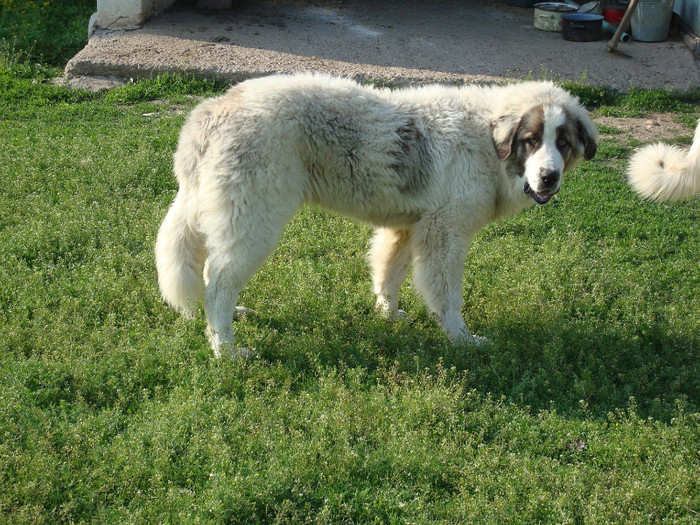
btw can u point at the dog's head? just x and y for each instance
(540, 142)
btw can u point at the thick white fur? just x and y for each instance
(663, 173)
(420, 164)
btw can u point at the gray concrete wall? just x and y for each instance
(126, 14)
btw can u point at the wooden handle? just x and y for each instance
(612, 45)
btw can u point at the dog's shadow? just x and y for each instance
(541, 367)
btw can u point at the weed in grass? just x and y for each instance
(593, 96)
(608, 130)
(175, 88)
(689, 120)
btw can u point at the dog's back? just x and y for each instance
(349, 148)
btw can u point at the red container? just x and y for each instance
(613, 16)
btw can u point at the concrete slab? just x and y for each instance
(408, 41)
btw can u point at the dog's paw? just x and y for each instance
(242, 311)
(243, 353)
(387, 312)
(478, 340)
(225, 347)
(230, 351)
(465, 336)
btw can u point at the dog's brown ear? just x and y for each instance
(588, 135)
(503, 132)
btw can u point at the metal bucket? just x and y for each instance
(548, 15)
(651, 20)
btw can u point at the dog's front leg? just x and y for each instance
(389, 258)
(439, 253)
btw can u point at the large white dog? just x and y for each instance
(427, 166)
(666, 173)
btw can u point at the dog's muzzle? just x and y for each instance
(549, 180)
(541, 197)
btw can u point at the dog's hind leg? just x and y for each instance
(239, 239)
(389, 257)
(439, 255)
(230, 267)
(228, 273)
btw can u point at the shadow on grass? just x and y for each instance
(561, 366)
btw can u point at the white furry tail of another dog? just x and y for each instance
(665, 173)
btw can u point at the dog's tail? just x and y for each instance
(180, 246)
(666, 173)
(180, 256)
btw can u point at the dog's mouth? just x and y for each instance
(540, 197)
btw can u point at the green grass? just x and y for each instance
(583, 408)
(636, 102)
(46, 31)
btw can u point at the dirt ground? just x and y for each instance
(652, 128)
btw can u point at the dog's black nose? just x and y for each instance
(550, 177)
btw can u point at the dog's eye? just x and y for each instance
(532, 141)
(562, 143)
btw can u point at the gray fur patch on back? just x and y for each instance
(413, 158)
